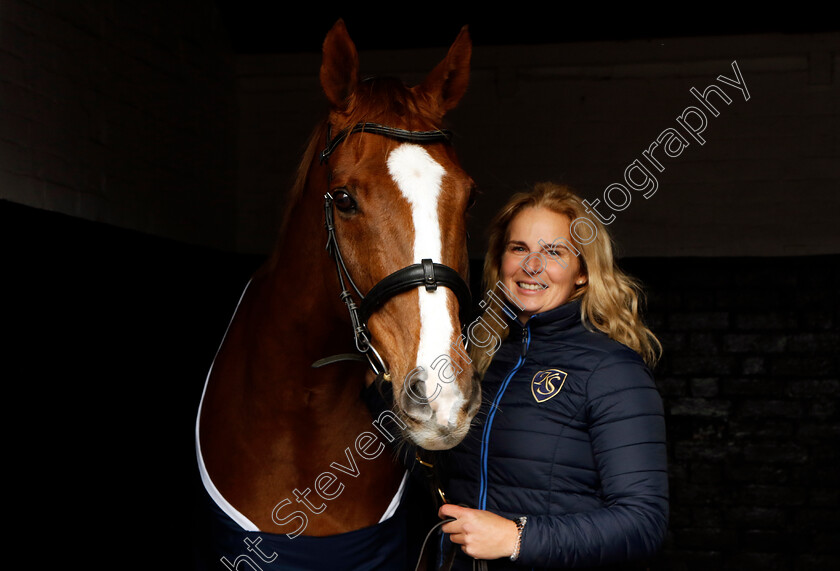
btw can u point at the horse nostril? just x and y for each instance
(413, 400)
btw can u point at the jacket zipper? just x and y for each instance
(485, 435)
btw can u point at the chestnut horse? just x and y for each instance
(290, 449)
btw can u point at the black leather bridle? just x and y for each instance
(427, 273)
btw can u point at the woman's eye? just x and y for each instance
(343, 201)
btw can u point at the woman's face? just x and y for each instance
(537, 267)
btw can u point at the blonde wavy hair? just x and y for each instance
(610, 299)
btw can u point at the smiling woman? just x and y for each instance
(554, 253)
(566, 465)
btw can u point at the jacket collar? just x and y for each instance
(560, 318)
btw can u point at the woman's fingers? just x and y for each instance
(481, 534)
(451, 510)
(458, 538)
(451, 527)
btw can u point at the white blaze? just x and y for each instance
(418, 176)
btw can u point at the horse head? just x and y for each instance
(396, 206)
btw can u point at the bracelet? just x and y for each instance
(520, 525)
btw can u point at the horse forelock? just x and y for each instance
(389, 101)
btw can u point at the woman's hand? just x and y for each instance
(481, 534)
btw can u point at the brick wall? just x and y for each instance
(119, 112)
(583, 113)
(750, 379)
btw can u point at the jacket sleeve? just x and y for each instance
(627, 433)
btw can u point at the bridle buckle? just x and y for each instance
(429, 274)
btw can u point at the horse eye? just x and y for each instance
(343, 201)
(472, 198)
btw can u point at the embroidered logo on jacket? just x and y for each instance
(546, 384)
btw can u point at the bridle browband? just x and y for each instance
(420, 137)
(427, 273)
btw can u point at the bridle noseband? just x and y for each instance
(427, 273)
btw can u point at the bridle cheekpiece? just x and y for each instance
(427, 273)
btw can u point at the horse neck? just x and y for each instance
(294, 304)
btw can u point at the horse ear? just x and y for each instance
(340, 66)
(447, 83)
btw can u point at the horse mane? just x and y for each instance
(295, 194)
(313, 147)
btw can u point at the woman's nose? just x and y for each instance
(535, 263)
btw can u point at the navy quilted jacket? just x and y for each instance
(571, 434)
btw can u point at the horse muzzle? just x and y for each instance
(439, 414)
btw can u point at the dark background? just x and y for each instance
(110, 332)
(269, 27)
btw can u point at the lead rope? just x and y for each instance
(425, 541)
(436, 487)
(477, 565)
